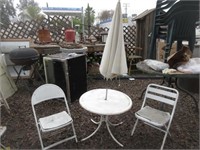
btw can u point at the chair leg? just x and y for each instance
(3, 147)
(168, 131)
(40, 138)
(134, 127)
(164, 139)
(2, 131)
(130, 67)
(74, 132)
(5, 103)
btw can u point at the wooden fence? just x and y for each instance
(28, 29)
(57, 26)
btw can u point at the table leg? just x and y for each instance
(113, 124)
(170, 81)
(95, 122)
(106, 120)
(107, 125)
(100, 122)
(187, 92)
(110, 123)
(36, 72)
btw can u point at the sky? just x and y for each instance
(133, 6)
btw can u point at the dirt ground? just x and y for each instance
(22, 134)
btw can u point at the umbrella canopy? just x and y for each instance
(113, 62)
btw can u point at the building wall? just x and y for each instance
(144, 28)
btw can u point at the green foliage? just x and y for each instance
(29, 10)
(89, 17)
(7, 10)
(77, 22)
(31, 13)
(106, 14)
(25, 3)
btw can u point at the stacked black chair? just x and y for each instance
(159, 31)
(179, 24)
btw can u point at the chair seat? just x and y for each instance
(153, 116)
(54, 121)
(133, 60)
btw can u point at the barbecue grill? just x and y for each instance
(24, 57)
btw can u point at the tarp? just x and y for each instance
(7, 85)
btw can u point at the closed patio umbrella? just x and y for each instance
(113, 62)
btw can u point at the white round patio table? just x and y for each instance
(105, 102)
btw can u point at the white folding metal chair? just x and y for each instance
(158, 117)
(54, 121)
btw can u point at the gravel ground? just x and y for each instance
(22, 134)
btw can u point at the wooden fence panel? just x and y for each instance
(57, 26)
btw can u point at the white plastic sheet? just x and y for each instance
(7, 85)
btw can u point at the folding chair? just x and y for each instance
(154, 115)
(133, 57)
(54, 121)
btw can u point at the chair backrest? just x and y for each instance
(161, 94)
(48, 92)
(164, 5)
(133, 51)
(178, 7)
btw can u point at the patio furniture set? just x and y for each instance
(109, 102)
(106, 103)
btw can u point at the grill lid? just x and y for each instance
(24, 56)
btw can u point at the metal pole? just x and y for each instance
(83, 27)
(106, 94)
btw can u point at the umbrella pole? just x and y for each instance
(106, 94)
(119, 82)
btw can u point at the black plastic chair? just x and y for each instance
(179, 22)
(159, 31)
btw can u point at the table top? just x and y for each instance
(95, 48)
(116, 102)
(46, 48)
(63, 56)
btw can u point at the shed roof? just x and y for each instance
(62, 11)
(143, 14)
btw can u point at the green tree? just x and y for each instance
(77, 24)
(89, 18)
(106, 14)
(31, 13)
(25, 3)
(29, 10)
(7, 10)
